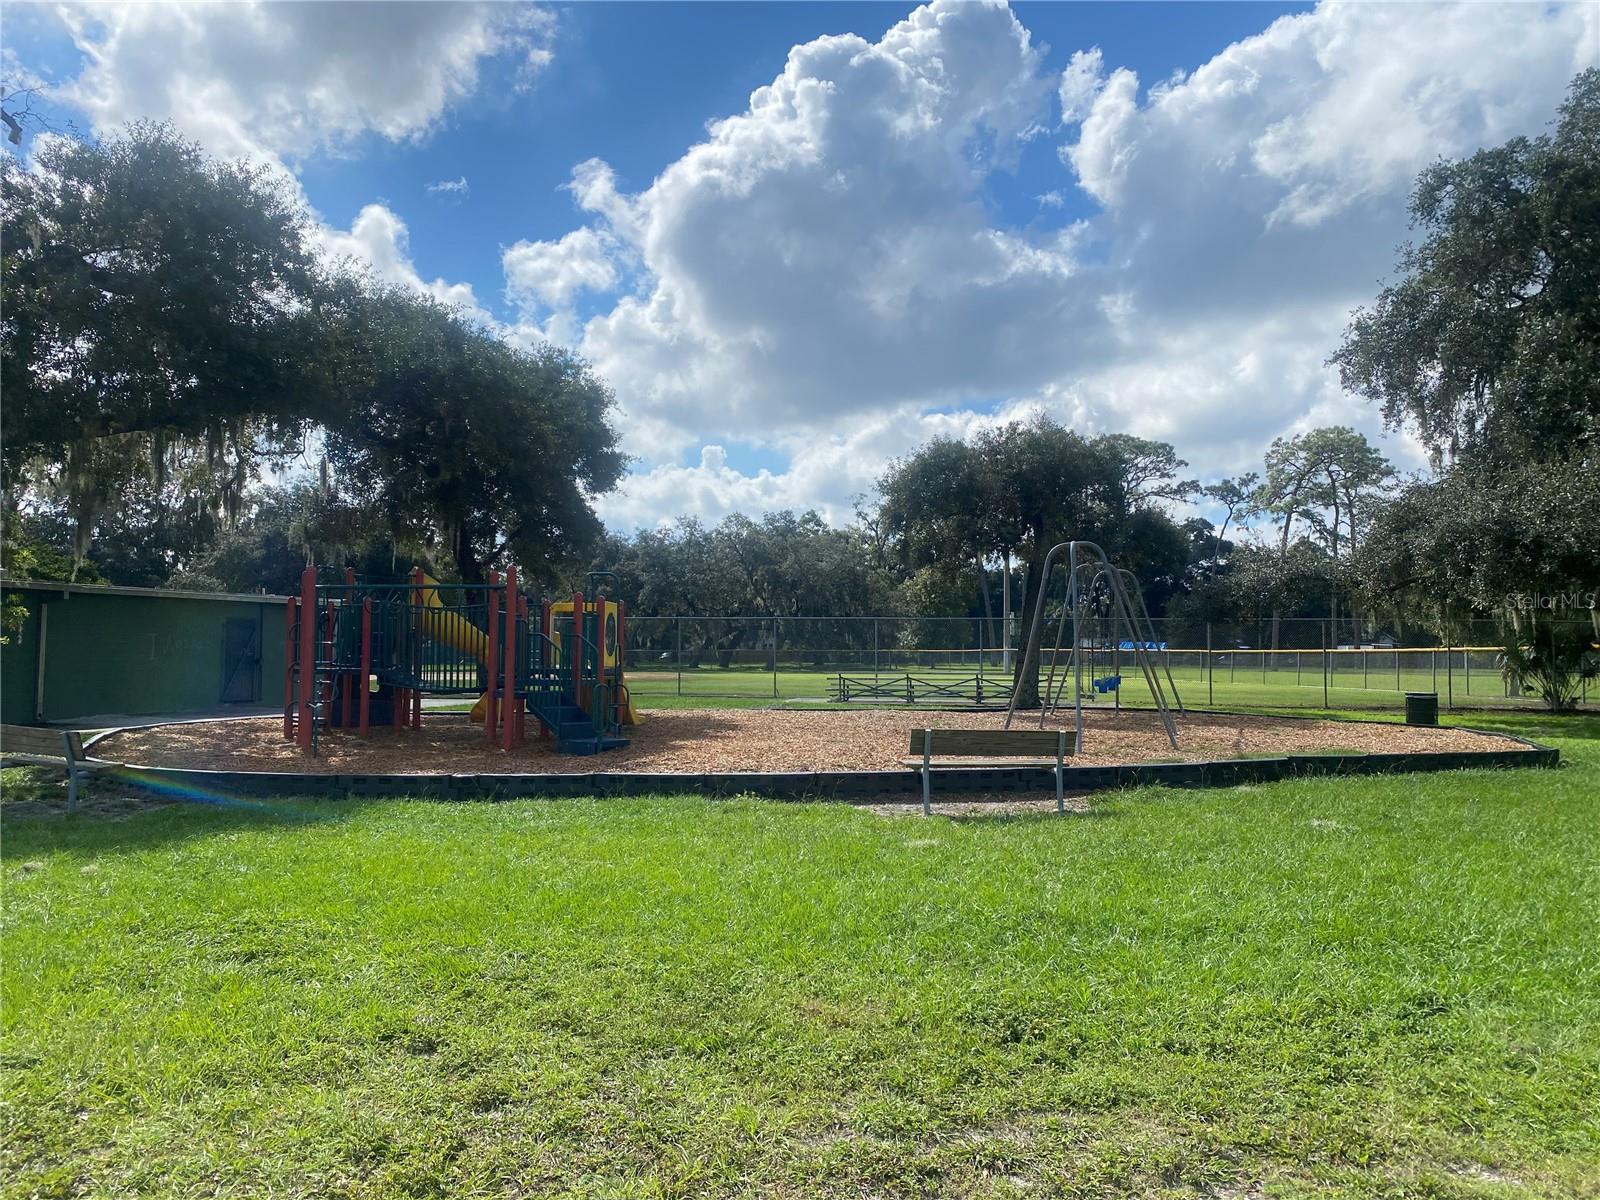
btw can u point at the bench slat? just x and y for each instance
(992, 743)
(1022, 762)
(30, 739)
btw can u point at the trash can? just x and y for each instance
(1422, 708)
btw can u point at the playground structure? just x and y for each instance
(1105, 624)
(360, 654)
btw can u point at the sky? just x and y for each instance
(799, 240)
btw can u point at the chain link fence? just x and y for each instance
(882, 660)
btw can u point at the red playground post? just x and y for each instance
(509, 649)
(546, 661)
(521, 708)
(366, 663)
(308, 654)
(291, 616)
(600, 643)
(416, 694)
(492, 659)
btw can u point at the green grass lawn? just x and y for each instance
(1369, 987)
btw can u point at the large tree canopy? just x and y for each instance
(169, 330)
(450, 434)
(1024, 487)
(1488, 349)
(157, 303)
(1488, 346)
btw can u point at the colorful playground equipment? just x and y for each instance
(361, 653)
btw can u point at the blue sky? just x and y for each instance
(1151, 217)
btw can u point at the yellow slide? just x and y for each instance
(460, 634)
(456, 632)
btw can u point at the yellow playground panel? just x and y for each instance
(451, 629)
(604, 628)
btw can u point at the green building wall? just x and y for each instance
(138, 652)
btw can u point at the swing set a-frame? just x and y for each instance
(1099, 605)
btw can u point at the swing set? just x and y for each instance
(1105, 608)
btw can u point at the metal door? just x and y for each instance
(241, 660)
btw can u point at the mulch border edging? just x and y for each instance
(846, 786)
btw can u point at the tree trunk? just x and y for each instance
(1025, 676)
(467, 564)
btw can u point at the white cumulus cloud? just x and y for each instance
(379, 240)
(1079, 83)
(828, 249)
(552, 273)
(821, 275)
(282, 81)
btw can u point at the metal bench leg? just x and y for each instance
(1061, 747)
(72, 786)
(927, 772)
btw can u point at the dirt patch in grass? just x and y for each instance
(28, 792)
(700, 740)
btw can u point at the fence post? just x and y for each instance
(874, 650)
(1466, 667)
(1324, 664)
(773, 621)
(678, 654)
(1449, 676)
(1211, 681)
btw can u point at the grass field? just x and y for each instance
(1281, 687)
(1374, 987)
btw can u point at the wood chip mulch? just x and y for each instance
(711, 740)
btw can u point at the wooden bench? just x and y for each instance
(50, 748)
(991, 748)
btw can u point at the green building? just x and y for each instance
(91, 651)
